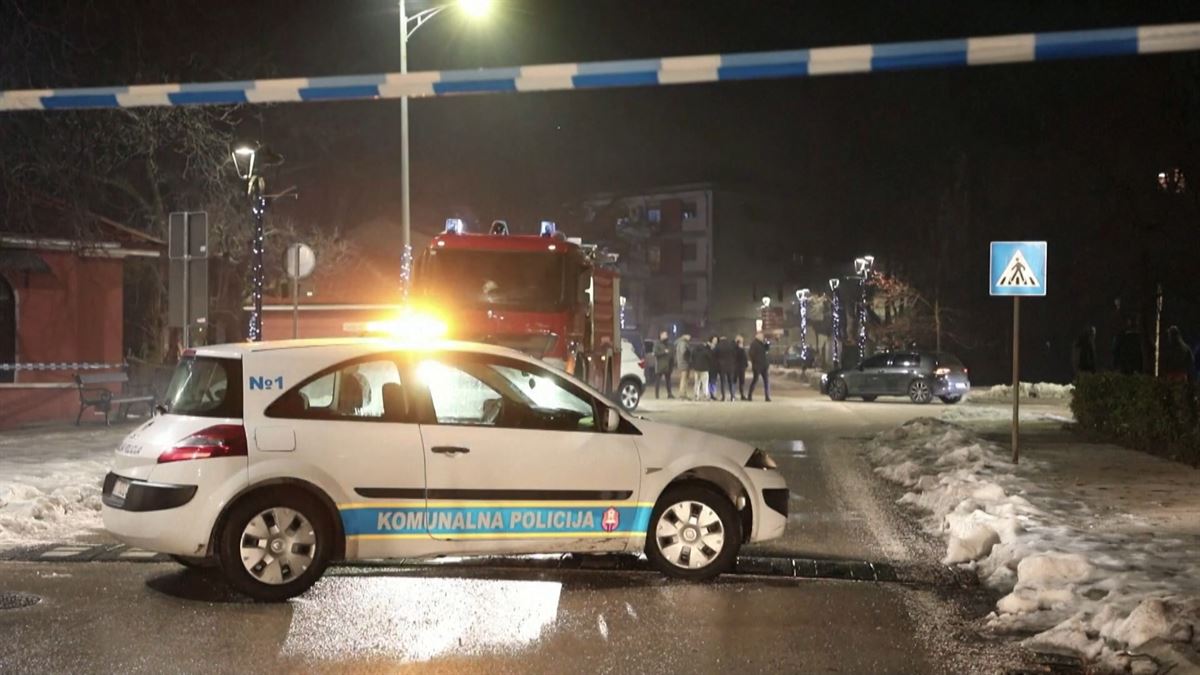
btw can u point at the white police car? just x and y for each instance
(274, 459)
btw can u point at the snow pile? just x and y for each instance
(1069, 582)
(967, 413)
(1043, 390)
(811, 376)
(50, 484)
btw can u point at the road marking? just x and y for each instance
(137, 553)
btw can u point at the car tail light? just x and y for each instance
(222, 440)
(942, 372)
(642, 364)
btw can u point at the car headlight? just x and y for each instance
(760, 460)
(824, 377)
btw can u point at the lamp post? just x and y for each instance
(249, 159)
(802, 296)
(408, 26)
(863, 267)
(836, 323)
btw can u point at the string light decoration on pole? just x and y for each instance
(802, 296)
(249, 159)
(836, 323)
(863, 267)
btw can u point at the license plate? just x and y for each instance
(120, 488)
(960, 385)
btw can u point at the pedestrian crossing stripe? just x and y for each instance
(1018, 273)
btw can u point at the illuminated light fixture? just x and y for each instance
(410, 325)
(454, 226)
(548, 228)
(802, 294)
(441, 243)
(766, 301)
(834, 283)
(476, 8)
(499, 227)
(552, 247)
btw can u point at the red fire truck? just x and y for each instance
(555, 299)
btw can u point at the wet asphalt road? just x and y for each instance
(126, 617)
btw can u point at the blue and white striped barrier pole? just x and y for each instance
(974, 51)
(61, 366)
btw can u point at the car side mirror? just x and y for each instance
(612, 421)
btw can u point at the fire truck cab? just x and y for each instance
(555, 299)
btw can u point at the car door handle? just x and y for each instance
(448, 450)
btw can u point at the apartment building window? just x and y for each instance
(654, 214)
(654, 257)
(689, 210)
(689, 292)
(690, 252)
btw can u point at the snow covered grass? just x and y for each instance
(1071, 580)
(50, 482)
(811, 377)
(1044, 390)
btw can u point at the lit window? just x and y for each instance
(654, 215)
(689, 210)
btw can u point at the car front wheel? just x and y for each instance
(275, 544)
(630, 394)
(919, 392)
(694, 533)
(838, 390)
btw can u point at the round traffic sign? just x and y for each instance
(300, 261)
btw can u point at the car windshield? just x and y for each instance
(529, 280)
(205, 387)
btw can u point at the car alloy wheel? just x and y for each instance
(920, 392)
(690, 535)
(278, 545)
(837, 390)
(630, 394)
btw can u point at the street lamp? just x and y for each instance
(862, 268)
(248, 160)
(802, 296)
(836, 323)
(408, 26)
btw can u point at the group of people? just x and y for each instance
(1177, 361)
(712, 367)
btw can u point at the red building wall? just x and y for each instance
(73, 313)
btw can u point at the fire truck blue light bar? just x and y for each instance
(867, 58)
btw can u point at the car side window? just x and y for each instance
(906, 360)
(503, 393)
(362, 390)
(877, 361)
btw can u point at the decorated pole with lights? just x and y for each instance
(863, 267)
(836, 323)
(248, 160)
(802, 296)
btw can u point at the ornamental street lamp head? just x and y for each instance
(476, 9)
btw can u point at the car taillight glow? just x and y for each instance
(222, 440)
(941, 372)
(642, 364)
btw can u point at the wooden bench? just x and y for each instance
(94, 394)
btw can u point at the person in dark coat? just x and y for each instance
(701, 362)
(726, 353)
(664, 363)
(714, 373)
(1127, 349)
(739, 369)
(1084, 352)
(1177, 362)
(758, 363)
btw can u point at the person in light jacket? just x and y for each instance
(683, 348)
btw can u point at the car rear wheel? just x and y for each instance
(920, 392)
(951, 400)
(870, 399)
(837, 390)
(275, 544)
(630, 393)
(694, 533)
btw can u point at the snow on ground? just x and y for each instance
(967, 412)
(811, 376)
(1094, 581)
(1043, 390)
(50, 482)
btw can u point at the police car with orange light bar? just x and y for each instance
(274, 459)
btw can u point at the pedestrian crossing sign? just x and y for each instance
(1018, 268)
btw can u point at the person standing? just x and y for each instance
(701, 363)
(1083, 354)
(758, 363)
(726, 358)
(714, 372)
(1178, 364)
(739, 369)
(682, 362)
(664, 364)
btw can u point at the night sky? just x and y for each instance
(1065, 151)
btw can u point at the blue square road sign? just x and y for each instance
(1018, 268)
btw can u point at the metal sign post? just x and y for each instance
(298, 264)
(187, 249)
(1017, 269)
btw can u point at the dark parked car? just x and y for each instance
(919, 376)
(795, 357)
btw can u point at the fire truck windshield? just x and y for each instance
(519, 280)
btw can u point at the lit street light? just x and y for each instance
(408, 26)
(802, 296)
(862, 268)
(248, 160)
(836, 323)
